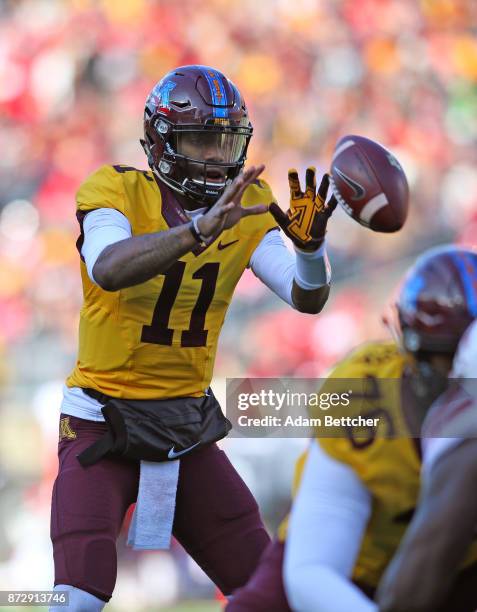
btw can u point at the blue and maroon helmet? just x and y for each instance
(196, 108)
(438, 299)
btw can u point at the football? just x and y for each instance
(370, 184)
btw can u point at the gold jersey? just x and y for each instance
(158, 339)
(388, 467)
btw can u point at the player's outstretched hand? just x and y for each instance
(305, 221)
(227, 211)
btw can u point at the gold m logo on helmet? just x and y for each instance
(65, 429)
(221, 121)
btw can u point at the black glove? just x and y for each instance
(305, 221)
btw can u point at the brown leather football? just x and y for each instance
(369, 183)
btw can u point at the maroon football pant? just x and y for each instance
(264, 592)
(216, 518)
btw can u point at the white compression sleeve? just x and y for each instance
(327, 524)
(312, 269)
(276, 267)
(102, 227)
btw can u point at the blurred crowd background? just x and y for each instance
(74, 75)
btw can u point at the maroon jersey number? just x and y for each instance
(159, 332)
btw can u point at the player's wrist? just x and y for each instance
(197, 231)
(316, 253)
(312, 269)
(311, 247)
(200, 225)
(209, 226)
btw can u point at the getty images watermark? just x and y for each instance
(268, 399)
(360, 409)
(285, 407)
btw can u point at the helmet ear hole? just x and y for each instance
(161, 127)
(164, 167)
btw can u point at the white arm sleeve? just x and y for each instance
(327, 524)
(102, 227)
(276, 266)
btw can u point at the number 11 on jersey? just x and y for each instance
(159, 332)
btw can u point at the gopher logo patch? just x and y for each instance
(65, 430)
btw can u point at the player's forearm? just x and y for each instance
(403, 589)
(140, 258)
(303, 280)
(325, 533)
(311, 285)
(321, 589)
(417, 580)
(414, 580)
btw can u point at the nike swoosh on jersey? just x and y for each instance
(221, 246)
(358, 189)
(173, 455)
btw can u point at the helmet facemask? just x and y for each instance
(197, 161)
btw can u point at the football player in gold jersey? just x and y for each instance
(161, 254)
(443, 527)
(424, 569)
(356, 491)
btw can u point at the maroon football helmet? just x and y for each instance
(196, 132)
(438, 299)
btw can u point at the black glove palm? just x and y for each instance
(305, 221)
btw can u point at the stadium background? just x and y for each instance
(73, 79)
